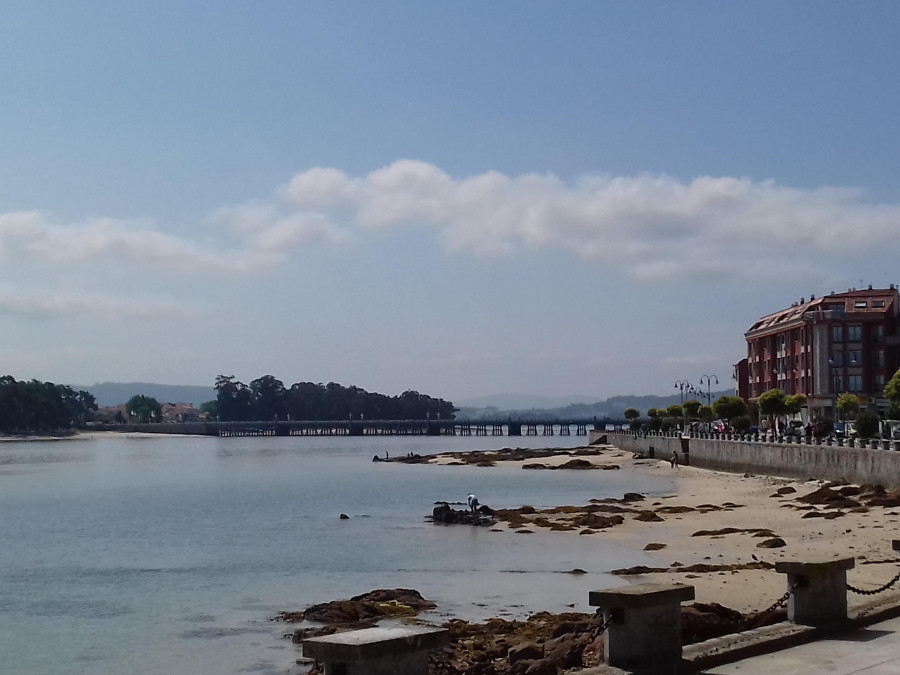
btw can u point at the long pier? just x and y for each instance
(363, 427)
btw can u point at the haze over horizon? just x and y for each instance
(461, 199)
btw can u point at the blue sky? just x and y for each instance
(460, 198)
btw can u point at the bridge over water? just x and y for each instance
(363, 427)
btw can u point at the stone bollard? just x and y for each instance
(643, 625)
(401, 650)
(819, 590)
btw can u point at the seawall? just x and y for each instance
(746, 454)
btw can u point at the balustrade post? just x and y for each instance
(818, 590)
(643, 625)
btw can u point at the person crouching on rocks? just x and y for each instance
(472, 501)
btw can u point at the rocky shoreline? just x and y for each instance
(542, 644)
(721, 533)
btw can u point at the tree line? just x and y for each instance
(42, 407)
(741, 414)
(267, 398)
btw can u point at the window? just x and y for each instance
(838, 383)
(879, 384)
(878, 303)
(854, 359)
(860, 304)
(836, 360)
(878, 333)
(854, 383)
(854, 333)
(837, 333)
(878, 358)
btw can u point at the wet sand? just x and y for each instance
(737, 526)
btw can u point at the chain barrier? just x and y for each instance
(601, 626)
(874, 591)
(778, 604)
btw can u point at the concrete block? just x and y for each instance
(400, 650)
(643, 625)
(818, 590)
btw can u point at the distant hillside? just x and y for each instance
(613, 407)
(523, 401)
(115, 393)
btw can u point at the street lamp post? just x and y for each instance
(708, 378)
(683, 386)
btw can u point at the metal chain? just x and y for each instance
(862, 591)
(601, 627)
(779, 603)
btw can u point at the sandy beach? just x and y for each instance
(737, 526)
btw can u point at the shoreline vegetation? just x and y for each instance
(721, 533)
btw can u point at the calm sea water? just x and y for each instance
(170, 555)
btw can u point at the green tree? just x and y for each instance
(729, 407)
(772, 403)
(848, 405)
(674, 410)
(692, 409)
(892, 391)
(794, 403)
(143, 409)
(632, 414)
(867, 425)
(234, 400)
(705, 413)
(269, 397)
(652, 412)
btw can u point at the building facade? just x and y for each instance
(843, 342)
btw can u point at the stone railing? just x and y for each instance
(874, 461)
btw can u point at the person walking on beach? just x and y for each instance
(472, 501)
(674, 460)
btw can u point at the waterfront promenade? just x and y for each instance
(874, 650)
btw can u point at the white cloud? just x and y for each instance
(650, 227)
(653, 227)
(32, 234)
(47, 303)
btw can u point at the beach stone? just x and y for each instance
(565, 651)
(648, 517)
(367, 608)
(577, 464)
(775, 542)
(525, 651)
(533, 667)
(633, 497)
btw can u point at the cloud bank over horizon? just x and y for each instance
(650, 228)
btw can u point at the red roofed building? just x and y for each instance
(843, 342)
